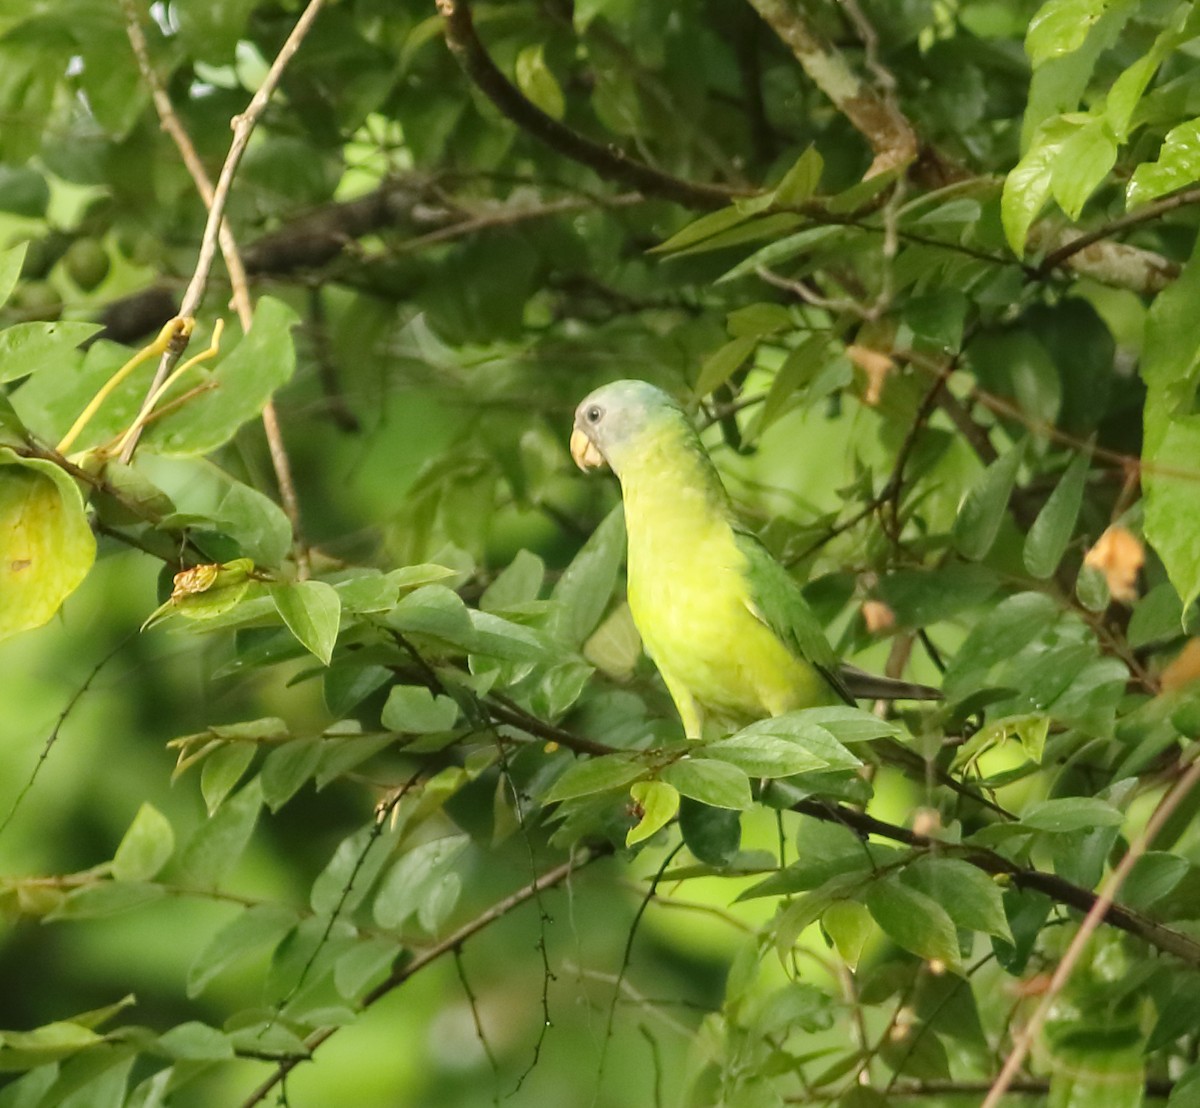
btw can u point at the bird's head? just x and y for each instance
(613, 420)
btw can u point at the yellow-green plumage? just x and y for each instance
(724, 623)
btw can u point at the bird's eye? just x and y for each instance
(592, 415)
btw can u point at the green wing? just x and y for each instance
(780, 604)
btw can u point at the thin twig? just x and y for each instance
(174, 127)
(448, 945)
(1104, 901)
(243, 127)
(608, 161)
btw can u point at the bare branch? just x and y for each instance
(1092, 920)
(243, 127)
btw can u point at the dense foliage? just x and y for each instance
(924, 271)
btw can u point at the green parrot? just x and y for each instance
(726, 624)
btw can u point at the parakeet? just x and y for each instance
(724, 622)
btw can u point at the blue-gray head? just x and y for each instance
(613, 420)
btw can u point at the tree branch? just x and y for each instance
(877, 118)
(609, 162)
(243, 127)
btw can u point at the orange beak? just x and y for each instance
(584, 451)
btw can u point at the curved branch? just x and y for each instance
(609, 162)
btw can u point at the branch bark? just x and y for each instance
(609, 162)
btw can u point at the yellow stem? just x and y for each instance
(178, 326)
(157, 395)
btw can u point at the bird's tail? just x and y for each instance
(870, 686)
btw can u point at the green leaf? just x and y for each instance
(782, 250)
(222, 770)
(365, 964)
(433, 610)
(1081, 164)
(257, 523)
(849, 925)
(969, 896)
(145, 847)
(713, 835)
(108, 898)
(1027, 186)
(197, 1042)
(518, 583)
(413, 709)
(658, 802)
(412, 879)
(1051, 531)
(1154, 875)
(46, 545)
(781, 747)
(251, 932)
(219, 842)
(538, 84)
(700, 229)
(1071, 813)
(1060, 27)
(595, 775)
(721, 784)
(241, 385)
(585, 588)
(1177, 166)
(287, 768)
(851, 725)
(983, 509)
(720, 366)
(351, 871)
(27, 348)
(45, 1044)
(914, 921)
(801, 180)
(311, 610)
(11, 261)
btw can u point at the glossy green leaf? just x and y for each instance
(1081, 164)
(1060, 26)
(311, 610)
(1178, 166)
(1027, 186)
